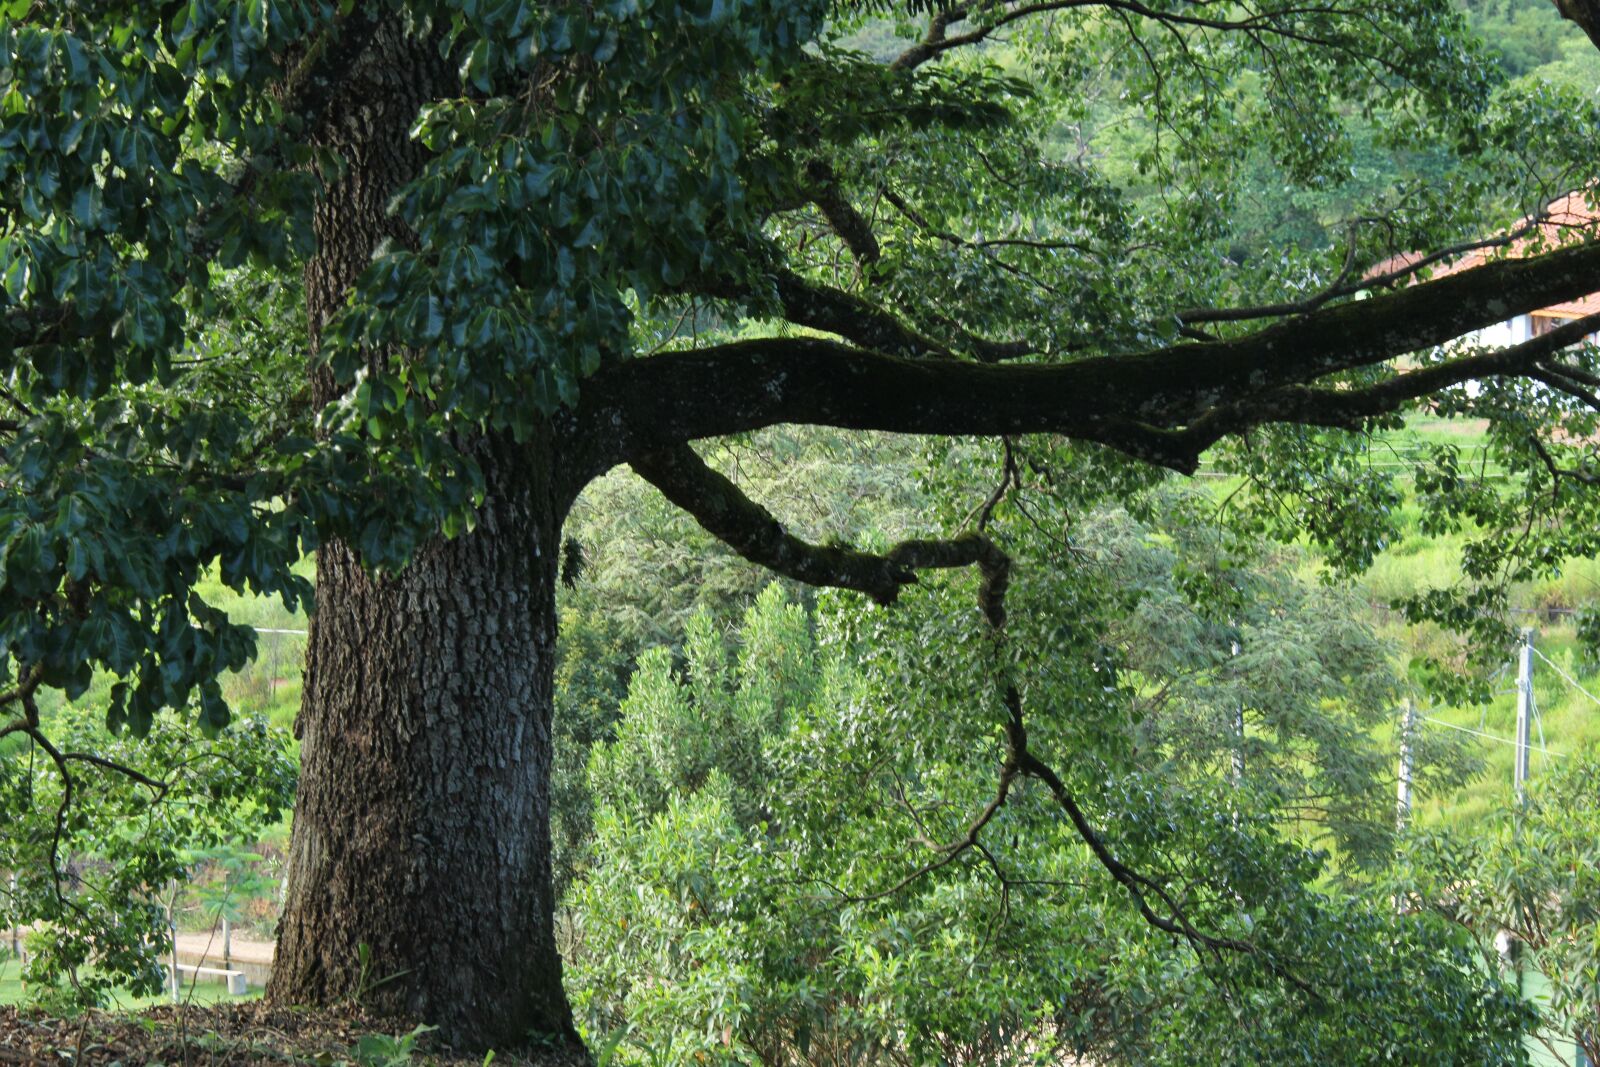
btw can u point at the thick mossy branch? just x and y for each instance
(835, 311)
(1139, 403)
(854, 318)
(1348, 408)
(847, 223)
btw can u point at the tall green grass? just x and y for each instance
(1567, 719)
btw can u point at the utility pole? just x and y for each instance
(1238, 734)
(1408, 724)
(1524, 711)
(1520, 767)
(172, 938)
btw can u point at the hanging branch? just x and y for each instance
(750, 530)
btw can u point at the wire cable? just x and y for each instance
(1569, 679)
(1478, 733)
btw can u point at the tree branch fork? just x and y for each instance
(1165, 406)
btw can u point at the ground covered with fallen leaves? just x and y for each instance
(231, 1035)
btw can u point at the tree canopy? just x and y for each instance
(162, 165)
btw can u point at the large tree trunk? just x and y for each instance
(421, 829)
(419, 866)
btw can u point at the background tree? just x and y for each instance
(493, 207)
(779, 888)
(98, 830)
(1531, 885)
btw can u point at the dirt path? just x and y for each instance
(224, 1035)
(207, 947)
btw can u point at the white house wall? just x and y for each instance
(1511, 332)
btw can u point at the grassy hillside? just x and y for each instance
(1567, 721)
(1567, 718)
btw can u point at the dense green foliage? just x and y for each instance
(1528, 884)
(1529, 38)
(761, 825)
(753, 816)
(760, 812)
(101, 836)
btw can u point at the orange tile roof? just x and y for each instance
(1575, 214)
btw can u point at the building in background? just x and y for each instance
(1575, 216)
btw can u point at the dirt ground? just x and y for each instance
(225, 1035)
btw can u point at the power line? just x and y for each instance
(1569, 679)
(1538, 721)
(1479, 733)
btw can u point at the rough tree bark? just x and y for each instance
(1586, 13)
(419, 865)
(422, 822)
